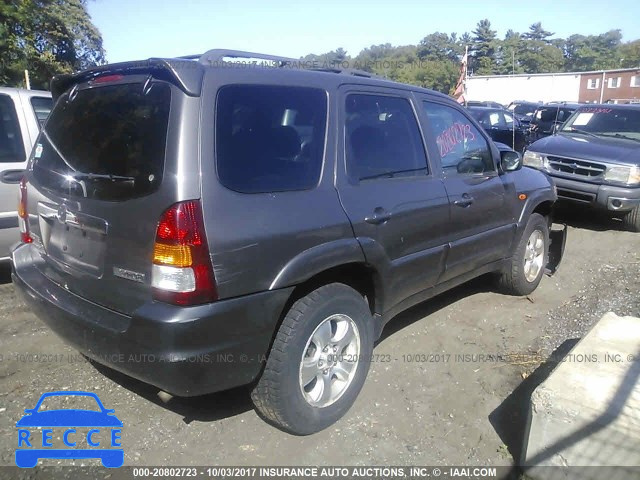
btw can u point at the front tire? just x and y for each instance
(526, 268)
(631, 220)
(318, 362)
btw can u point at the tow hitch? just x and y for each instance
(558, 239)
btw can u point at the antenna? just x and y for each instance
(513, 123)
(555, 122)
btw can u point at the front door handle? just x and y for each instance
(465, 201)
(380, 215)
(12, 176)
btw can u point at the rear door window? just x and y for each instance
(11, 146)
(382, 138)
(270, 138)
(41, 108)
(106, 142)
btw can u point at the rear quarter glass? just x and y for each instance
(270, 138)
(11, 146)
(105, 143)
(41, 108)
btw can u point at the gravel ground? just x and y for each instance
(450, 386)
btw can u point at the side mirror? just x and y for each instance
(12, 176)
(510, 161)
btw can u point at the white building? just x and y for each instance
(540, 87)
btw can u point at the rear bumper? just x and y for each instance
(604, 197)
(185, 351)
(9, 235)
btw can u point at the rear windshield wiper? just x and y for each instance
(95, 176)
(577, 130)
(393, 173)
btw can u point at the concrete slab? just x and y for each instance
(587, 412)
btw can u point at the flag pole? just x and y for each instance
(466, 73)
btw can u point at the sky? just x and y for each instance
(138, 29)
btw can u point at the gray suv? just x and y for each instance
(201, 224)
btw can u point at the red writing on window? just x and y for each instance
(453, 136)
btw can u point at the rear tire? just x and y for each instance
(304, 387)
(631, 220)
(526, 267)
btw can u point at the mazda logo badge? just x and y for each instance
(62, 213)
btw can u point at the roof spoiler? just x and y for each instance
(184, 73)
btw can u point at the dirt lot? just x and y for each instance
(446, 409)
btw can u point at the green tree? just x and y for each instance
(46, 37)
(508, 53)
(537, 33)
(435, 61)
(538, 53)
(593, 52)
(484, 49)
(337, 58)
(629, 54)
(439, 46)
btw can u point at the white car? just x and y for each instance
(22, 113)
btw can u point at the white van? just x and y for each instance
(22, 112)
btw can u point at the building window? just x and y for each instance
(593, 83)
(635, 81)
(614, 82)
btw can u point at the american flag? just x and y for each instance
(460, 91)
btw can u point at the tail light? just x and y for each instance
(108, 78)
(23, 213)
(182, 273)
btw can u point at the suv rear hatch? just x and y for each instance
(102, 173)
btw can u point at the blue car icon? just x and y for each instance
(35, 444)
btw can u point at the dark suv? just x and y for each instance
(548, 118)
(199, 224)
(501, 126)
(595, 160)
(524, 111)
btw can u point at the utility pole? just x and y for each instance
(27, 82)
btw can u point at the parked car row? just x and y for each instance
(521, 123)
(165, 211)
(592, 152)
(594, 160)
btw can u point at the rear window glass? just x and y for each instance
(41, 108)
(270, 138)
(524, 109)
(11, 146)
(553, 114)
(106, 143)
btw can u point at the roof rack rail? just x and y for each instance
(190, 57)
(346, 71)
(217, 55)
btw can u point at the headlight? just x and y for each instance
(535, 160)
(621, 174)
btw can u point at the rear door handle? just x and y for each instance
(465, 201)
(380, 215)
(12, 176)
